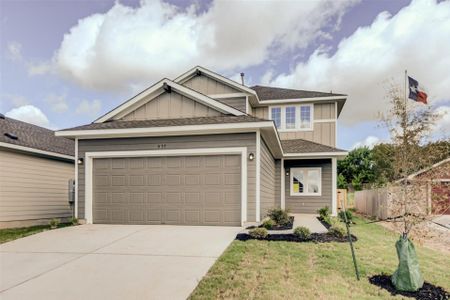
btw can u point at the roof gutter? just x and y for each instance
(315, 155)
(299, 100)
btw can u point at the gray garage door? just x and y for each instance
(191, 190)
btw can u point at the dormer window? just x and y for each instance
(292, 117)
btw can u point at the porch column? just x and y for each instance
(334, 186)
(282, 185)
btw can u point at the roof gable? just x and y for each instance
(165, 85)
(209, 79)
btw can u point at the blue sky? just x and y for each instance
(64, 63)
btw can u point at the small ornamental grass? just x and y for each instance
(268, 224)
(337, 230)
(302, 232)
(258, 233)
(54, 223)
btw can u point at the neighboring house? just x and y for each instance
(438, 177)
(205, 150)
(35, 167)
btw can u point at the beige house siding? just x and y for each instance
(324, 126)
(209, 86)
(32, 188)
(171, 106)
(268, 180)
(309, 204)
(181, 142)
(238, 103)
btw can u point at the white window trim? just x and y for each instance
(89, 156)
(297, 117)
(305, 194)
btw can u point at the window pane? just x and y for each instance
(290, 117)
(298, 181)
(305, 116)
(313, 181)
(276, 116)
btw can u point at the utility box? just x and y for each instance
(71, 191)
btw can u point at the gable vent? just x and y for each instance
(11, 135)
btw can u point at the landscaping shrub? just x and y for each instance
(268, 224)
(74, 221)
(337, 231)
(349, 216)
(302, 232)
(54, 223)
(258, 233)
(279, 216)
(324, 215)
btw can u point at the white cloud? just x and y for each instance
(368, 142)
(29, 114)
(90, 108)
(417, 38)
(14, 51)
(58, 103)
(40, 68)
(15, 100)
(128, 46)
(442, 126)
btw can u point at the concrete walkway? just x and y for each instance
(111, 262)
(309, 221)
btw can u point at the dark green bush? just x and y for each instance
(324, 215)
(302, 232)
(268, 224)
(337, 231)
(348, 213)
(54, 223)
(279, 216)
(258, 233)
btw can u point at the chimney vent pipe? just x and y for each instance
(242, 78)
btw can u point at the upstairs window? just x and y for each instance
(292, 117)
(305, 117)
(276, 116)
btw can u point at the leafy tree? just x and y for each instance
(357, 168)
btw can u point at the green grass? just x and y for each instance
(11, 234)
(283, 270)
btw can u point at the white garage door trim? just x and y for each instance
(89, 156)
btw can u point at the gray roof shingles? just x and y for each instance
(168, 122)
(274, 93)
(32, 136)
(303, 146)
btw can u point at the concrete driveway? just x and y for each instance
(111, 262)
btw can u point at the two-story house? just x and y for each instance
(205, 150)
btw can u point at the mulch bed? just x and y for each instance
(427, 292)
(325, 224)
(289, 237)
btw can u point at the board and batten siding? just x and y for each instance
(268, 180)
(33, 188)
(324, 126)
(309, 204)
(209, 86)
(170, 106)
(177, 142)
(239, 103)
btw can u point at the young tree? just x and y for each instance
(409, 125)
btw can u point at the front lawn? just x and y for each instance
(11, 234)
(285, 270)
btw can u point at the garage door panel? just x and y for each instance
(192, 190)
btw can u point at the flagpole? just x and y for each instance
(406, 84)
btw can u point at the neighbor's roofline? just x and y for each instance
(429, 168)
(205, 100)
(36, 151)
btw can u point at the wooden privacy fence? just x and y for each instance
(379, 202)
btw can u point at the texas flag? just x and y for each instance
(415, 92)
